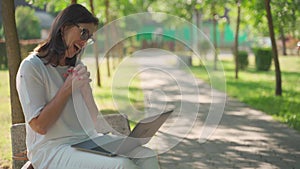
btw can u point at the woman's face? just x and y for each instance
(76, 37)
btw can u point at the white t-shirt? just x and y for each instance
(37, 84)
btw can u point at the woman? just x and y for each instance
(46, 82)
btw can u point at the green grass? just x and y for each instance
(5, 118)
(103, 98)
(257, 89)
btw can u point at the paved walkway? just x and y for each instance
(244, 138)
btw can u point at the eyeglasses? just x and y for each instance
(85, 35)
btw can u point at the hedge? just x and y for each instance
(26, 47)
(243, 59)
(263, 58)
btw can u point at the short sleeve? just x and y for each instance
(31, 89)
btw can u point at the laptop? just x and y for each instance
(112, 145)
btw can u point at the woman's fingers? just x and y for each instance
(78, 76)
(80, 69)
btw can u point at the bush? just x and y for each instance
(28, 25)
(263, 58)
(3, 58)
(243, 59)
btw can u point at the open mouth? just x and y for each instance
(77, 48)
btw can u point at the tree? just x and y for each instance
(212, 10)
(285, 17)
(261, 18)
(236, 39)
(96, 49)
(14, 57)
(28, 25)
(107, 16)
(214, 19)
(278, 90)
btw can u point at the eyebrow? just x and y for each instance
(78, 26)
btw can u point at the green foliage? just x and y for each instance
(1, 32)
(55, 5)
(243, 59)
(263, 58)
(51, 8)
(3, 58)
(28, 25)
(284, 14)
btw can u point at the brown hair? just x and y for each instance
(54, 47)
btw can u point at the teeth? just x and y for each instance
(76, 47)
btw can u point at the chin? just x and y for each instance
(71, 61)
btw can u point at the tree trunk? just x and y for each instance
(13, 57)
(215, 35)
(282, 37)
(106, 35)
(96, 49)
(236, 39)
(278, 90)
(198, 21)
(197, 18)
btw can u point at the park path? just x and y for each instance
(244, 138)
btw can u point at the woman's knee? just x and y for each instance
(125, 163)
(142, 152)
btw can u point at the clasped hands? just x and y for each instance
(77, 77)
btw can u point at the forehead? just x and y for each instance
(90, 26)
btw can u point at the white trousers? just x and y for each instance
(70, 158)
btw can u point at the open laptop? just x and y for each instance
(112, 145)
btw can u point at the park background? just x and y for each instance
(218, 20)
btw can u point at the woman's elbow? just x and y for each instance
(41, 131)
(34, 124)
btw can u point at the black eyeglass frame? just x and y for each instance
(85, 34)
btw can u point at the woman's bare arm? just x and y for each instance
(51, 112)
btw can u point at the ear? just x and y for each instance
(62, 31)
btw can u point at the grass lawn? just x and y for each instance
(5, 118)
(103, 97)
(257, 89)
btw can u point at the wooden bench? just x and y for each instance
(115, 123)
